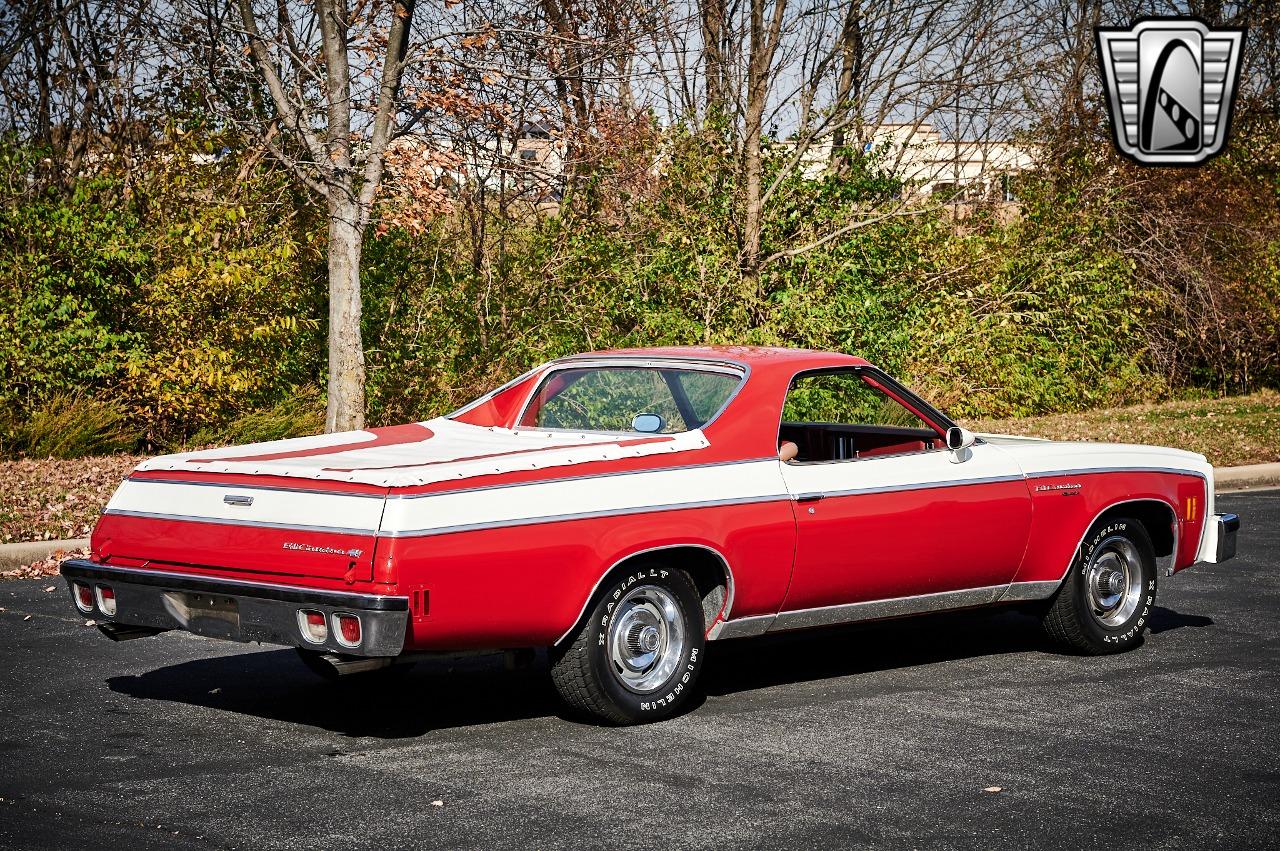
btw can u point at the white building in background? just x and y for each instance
(961, 172)
(956, 169)
(949, 170)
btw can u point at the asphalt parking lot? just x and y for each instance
(883, 736)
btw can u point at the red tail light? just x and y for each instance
(348, 630)
(84, 597)
(313, 626)
(106, 600)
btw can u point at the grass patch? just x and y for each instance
(1231, 431)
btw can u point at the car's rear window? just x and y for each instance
(629, 398)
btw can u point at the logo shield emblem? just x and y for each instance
(1169, 84)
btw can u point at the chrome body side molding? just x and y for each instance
(872, 610)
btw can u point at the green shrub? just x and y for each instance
(298, 415)
(73, 426)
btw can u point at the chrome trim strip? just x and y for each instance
(1123, 468)
(889, 608)
(1030, 590)
(921, 485)
(728, 598)
(1173, 559)
(747, 627)
(583, 477)
(742, 371)
(238, 486)
(892, 607)
(185, 518)
(477, 402)
(584, 515)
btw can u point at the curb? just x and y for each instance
(1250, 475)
(20, 555)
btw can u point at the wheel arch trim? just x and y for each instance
(595, 589)
(1173, 514)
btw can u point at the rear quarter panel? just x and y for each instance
(515, 566)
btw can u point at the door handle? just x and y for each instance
(809, 497)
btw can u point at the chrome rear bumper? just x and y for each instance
(150, 601)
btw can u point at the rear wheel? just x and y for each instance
(637, 655)
(1105, 603)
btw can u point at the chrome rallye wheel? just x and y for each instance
(637, 655)
(1105, 603)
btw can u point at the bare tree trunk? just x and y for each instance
(849, 84)
(346, 349)
(328, 163)
(764, 42)
(712, 15)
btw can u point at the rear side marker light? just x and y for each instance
(106, 599)
(83, 596)
(313, 626)
(347, 630)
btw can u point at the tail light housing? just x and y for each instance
(346, 628)
(83, 596)
(106, 599)
(313, 625)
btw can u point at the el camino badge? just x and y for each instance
(1066, 489)
(312, 548)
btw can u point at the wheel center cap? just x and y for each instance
(1115, 583)
(649, 639)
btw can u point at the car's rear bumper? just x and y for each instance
(149, 601)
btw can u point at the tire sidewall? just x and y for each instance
(1130, 633)
(674, 693)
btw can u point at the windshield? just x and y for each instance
(652, 400)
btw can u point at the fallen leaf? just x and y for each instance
(992, 789)
(90, 623)
(437, 803)
(51, 588)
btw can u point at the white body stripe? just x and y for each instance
(652, 491)
(295, 509)
(634, 492)
(901, 472)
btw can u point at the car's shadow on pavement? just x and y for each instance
(454, 692)
(434, 694)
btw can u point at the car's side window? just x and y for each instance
(841, 416)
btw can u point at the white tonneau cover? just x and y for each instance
(421, 453)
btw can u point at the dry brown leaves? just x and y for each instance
(45, 567)
(50, 499)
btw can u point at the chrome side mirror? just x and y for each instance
(648, 423)
(958, 442)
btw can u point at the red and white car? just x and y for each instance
(623, 508)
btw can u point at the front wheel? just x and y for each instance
(637, 655)
(1105, 603)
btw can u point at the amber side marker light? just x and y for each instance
(313, 626)
(347, 630)
(84, 597)
(106, 599)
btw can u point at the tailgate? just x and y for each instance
(294, 532)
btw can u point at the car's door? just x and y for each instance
(883, 509)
